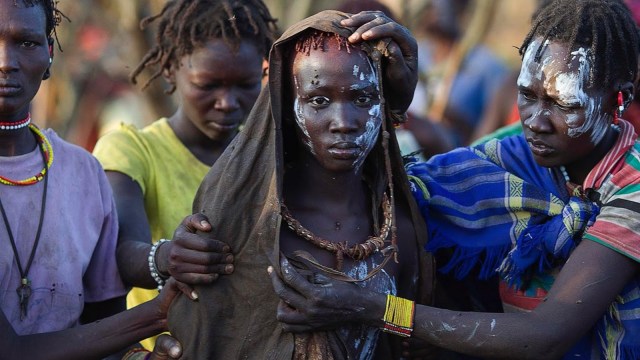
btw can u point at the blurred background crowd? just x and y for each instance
(467, 56)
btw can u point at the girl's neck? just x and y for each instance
(17, 142)
(308, 179)
(205, 149)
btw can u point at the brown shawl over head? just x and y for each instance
(235, 318)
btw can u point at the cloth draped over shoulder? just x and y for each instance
(475, 204)
(235, 318)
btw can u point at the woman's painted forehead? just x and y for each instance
(334, 57)
(561, 71)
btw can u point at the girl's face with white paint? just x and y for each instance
(563, 120)
(336, 104)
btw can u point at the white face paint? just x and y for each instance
(365, 80)
(372, 128)
(300, 119)
(568, 87)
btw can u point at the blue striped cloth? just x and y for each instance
(515, 224)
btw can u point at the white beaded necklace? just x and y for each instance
(16, 125)
(564, 172)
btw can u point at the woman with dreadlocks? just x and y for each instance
(554, 210)
(320, 183)
(211, 52)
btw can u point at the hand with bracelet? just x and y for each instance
(192, 258)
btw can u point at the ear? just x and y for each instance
(169, 75)
(47, 72)
(628, 90)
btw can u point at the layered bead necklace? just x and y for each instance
(355, 252)
(16, 124)
(24, 289)
(47, 152)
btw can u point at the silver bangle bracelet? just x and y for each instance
(153, 267)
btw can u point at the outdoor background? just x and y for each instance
(89, 91)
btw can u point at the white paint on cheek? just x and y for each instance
(300, 119)
(356, 69)
(368, 139)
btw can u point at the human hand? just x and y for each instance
(324, 303)
(194, 257)
(163, 301)
(401, 59)
(166, 347)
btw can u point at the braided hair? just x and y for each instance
(605, 26)
(184, 25)
(53, 15)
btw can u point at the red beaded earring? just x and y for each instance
(618, 112)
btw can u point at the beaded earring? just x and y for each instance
(619, 110)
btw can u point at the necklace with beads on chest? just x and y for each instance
(46, 151)
(358, 251)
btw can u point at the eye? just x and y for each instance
(364, 100)
(568, 107)
(206, 87)
(319, 101)
(28, 44)
(527, 95)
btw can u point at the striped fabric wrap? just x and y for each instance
(492, 206)
(475, 204)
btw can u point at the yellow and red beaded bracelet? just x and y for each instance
(398, 316)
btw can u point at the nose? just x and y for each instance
(226, 100)
(344, 119)
(538, 121)
(7, 61)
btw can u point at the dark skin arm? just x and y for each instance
(401, 60)
(586, 286)
(191, 258)
(94, 340)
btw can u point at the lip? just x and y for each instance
(539, 148)
(345, 150)
(9, 89)
(225, 125)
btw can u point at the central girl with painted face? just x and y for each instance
(338, 115)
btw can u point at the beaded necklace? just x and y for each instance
(16, 124)
(47, 151)
(24, 290)
(564, 172)
(355, 252)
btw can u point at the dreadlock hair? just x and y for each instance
(184, 25)
(53, 15)
(316, 39)
(605, 26)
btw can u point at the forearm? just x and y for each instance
(491, 335)
(133, 264)
(94, 340)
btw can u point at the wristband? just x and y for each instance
(398, 316)
(153, 267)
